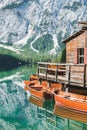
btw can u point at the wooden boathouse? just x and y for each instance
(73, 73)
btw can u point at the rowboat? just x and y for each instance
(71, 101)
(37, 89)
(69, 113)
(41, 90)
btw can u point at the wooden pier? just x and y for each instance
(69, 74)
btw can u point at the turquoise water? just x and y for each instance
(17, 113)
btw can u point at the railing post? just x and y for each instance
(56, 72)
(84, 76)
(38, 70)
(69, 74)
(46, 71)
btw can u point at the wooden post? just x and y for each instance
(56, 72)
(38, 70)
(69, 74)
(46, 70)
(84, 77)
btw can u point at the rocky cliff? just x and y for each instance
(21, 20)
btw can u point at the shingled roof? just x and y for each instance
(84, 27)
(83, 23)
(73, 36)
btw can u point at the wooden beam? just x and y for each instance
(84, 77)
(56, 72)
(69, 74)
(46, 70)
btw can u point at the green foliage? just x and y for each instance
(29, 41)
(63, 55)
(9, 62)
(59, 37)
(7, 52)
(9, 59)
(44, 43)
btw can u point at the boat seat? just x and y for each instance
(67, 96)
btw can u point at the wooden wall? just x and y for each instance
(78, 42)
(86, 39)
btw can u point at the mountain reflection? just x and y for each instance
(17, 113)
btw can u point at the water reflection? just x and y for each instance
(16, 113)
(24, 72)
(45, 112)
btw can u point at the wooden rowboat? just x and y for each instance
(41, 90)
(38, 90)
(69, 113)
(71, 101)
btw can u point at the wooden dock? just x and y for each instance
(70, 74)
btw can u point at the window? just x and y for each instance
(80, 55)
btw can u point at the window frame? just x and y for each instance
(80, 53)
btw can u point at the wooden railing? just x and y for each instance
(73, 74)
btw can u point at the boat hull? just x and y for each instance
(36, 93)
(74, 104)
(69, 113)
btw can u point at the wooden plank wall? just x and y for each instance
(86, 39)
(78, 42)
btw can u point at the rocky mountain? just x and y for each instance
(24, 22)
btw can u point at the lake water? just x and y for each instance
(17, 113)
